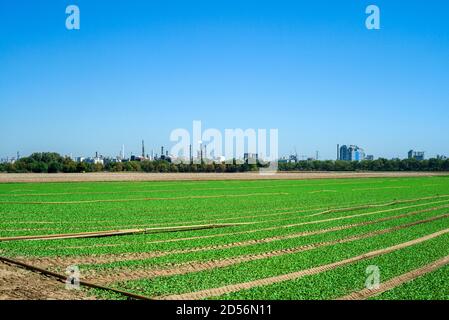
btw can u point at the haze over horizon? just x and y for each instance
(140, 69)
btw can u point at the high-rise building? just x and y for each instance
(344, 153)
(351, 153)
(417, 155)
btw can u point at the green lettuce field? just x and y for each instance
(262, 239)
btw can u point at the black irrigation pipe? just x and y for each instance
(99, 234)
(63, 278)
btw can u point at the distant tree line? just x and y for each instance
(368, 165)
(49, 162)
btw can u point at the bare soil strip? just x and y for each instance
(137, 176)
(298, 274)
(260, 229)
(62, 277)
(20, 284)
(109, 233)
(55, 262)
(126, 274)
(148, 199)
(397, 281)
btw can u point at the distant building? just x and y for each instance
(94, 160)
(220, 159)
(351, 153)
(250, 158)
(417, 155)
(369, 157)
(293, 158)
(344, 154)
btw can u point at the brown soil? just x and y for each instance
(20, 284)
(298, 274)
(137, 176)
(397, 281)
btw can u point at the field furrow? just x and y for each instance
(291, 276)
(397, 281)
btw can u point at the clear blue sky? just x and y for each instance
(138, 69)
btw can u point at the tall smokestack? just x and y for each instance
(191, 155)
(143, 149)
(162, 151)
(338, 152)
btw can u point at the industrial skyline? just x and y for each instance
(344, 153)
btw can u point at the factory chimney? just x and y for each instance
(143, 149)
(338, 152)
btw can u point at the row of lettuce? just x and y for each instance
(49, 162)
